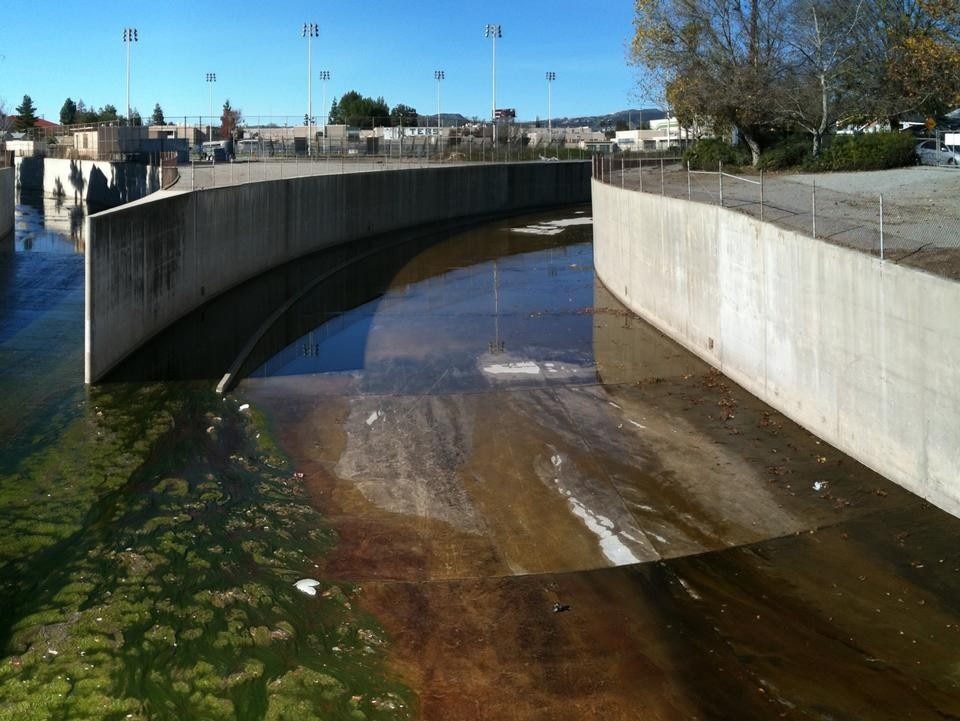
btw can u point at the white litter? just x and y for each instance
(820, 485)
(244, 406)
(637, 425)
(517, 368)
(373, 417)
(556, 460)
(307, 586)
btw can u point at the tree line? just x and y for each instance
(756, 66)
(351, 109)
(356, 110)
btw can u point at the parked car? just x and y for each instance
(930, 152)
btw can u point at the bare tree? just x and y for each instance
(822, 36)
(724, 59)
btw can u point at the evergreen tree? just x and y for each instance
(157, 117)
(26, 114)
(68, 113)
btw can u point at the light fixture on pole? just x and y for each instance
(130, 35)
(324, 77)
(438, 76)
(211, 79)
(493, 32)
(551, 76)
(310, 31)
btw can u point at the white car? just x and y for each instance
(930, 152)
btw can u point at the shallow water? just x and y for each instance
(451, 435)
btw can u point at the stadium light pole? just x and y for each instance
(211, 79)
(310, 31)
(438, 76)
(130, 35)
(324, 77)
(493, 32)
(551, 76)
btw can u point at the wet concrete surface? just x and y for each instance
(492, 437)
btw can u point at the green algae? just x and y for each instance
(148, 572)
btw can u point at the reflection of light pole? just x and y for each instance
(493, 32)
(551, 76)
(211, 79)
(438, 76)
(325, 76)
(310, 31)
(130, 35)
(496, 345)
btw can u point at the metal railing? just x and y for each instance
(890, 228)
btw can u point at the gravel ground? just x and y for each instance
(921, 207)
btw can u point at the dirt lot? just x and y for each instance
(921, 206)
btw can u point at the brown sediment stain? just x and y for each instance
(494, 648)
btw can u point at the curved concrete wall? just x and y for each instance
(863, 353)
(151, 262)
(7, 201)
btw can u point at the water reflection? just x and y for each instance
(47, 224)
(461, 314)
(338, 293)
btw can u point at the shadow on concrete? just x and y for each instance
(30, 173)
(207, 342)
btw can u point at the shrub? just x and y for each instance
(708, 153)
(788, 153)
(870, 151)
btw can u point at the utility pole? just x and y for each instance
(493, 32)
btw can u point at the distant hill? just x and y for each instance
(630, 118)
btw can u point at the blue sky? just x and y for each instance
(55, 50)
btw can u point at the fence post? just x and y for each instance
(689, 190)
(661, 177)
(640, 173)
(621, 172)
(813, 195)
(193, 175)
(720, 175)
(881, 226)
(761, 195)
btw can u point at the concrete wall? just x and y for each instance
(100, 183)
(151, 262)
(7, 201)
(863, 353)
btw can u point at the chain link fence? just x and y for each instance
(918, 232)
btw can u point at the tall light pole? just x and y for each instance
(551, 76)
(310, 31)
(493, 32)
(211, 79)
(130, 35)
(324, 77)
(438, 75)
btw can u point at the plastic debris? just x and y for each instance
(307, 586)
(820, 485)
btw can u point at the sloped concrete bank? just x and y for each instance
(151, 262)
(7, 201)
(863, 353)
